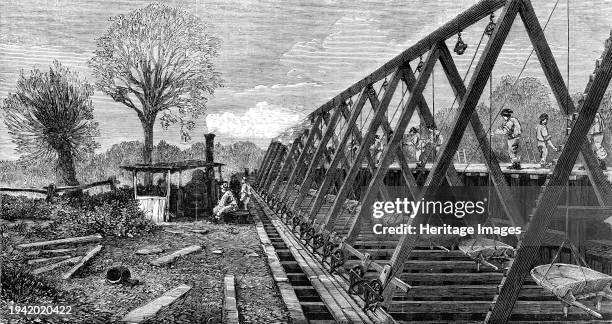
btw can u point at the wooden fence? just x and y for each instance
(51, 190)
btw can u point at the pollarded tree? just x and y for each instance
(158, 60)
(50, 117)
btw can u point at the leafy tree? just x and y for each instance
(50, 117)
(158, 60)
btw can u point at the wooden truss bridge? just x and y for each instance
(316, 195)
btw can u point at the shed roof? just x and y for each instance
(170, 166)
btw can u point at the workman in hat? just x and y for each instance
(226, 204)
(596, 138)
(512, 129)
(544, 140)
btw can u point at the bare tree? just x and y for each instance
(50, 117)
(154, 60)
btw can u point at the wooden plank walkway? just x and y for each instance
(280, 277)
(343, 307)
(70, 240)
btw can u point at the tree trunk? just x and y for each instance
(66, 174)
(147, 151)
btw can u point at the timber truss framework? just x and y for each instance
(297, 165)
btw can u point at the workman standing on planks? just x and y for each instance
(415, 140)
(246, 191)
(544, 140)
(377, 148)
(436, 139)
(596, 138)
(512, 129)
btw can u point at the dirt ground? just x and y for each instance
(237, 251)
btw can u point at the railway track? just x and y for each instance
(445, 284)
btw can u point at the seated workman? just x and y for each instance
(226, 204)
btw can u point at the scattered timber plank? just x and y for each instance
(230, 309)
(70, 240)
(92, 253)
(151, 308)
(55, 265)
(43, 260)
(56, 251)
(174, 255)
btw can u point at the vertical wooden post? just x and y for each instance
(112, 182)
(50, 192)
(179, 194)
(168, 194)
(135, 183)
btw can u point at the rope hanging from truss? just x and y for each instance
(473, 150)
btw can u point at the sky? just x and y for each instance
(282, 59)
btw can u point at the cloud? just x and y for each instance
(265, 120)
(279, 89)
(354, 43)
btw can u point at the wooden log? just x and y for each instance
(34, 190)
(55, 265)
(70, 240)
(43, 260)
(174, 255)
(43, 252)
(92, 253)
(149, 310)
(230, 308)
